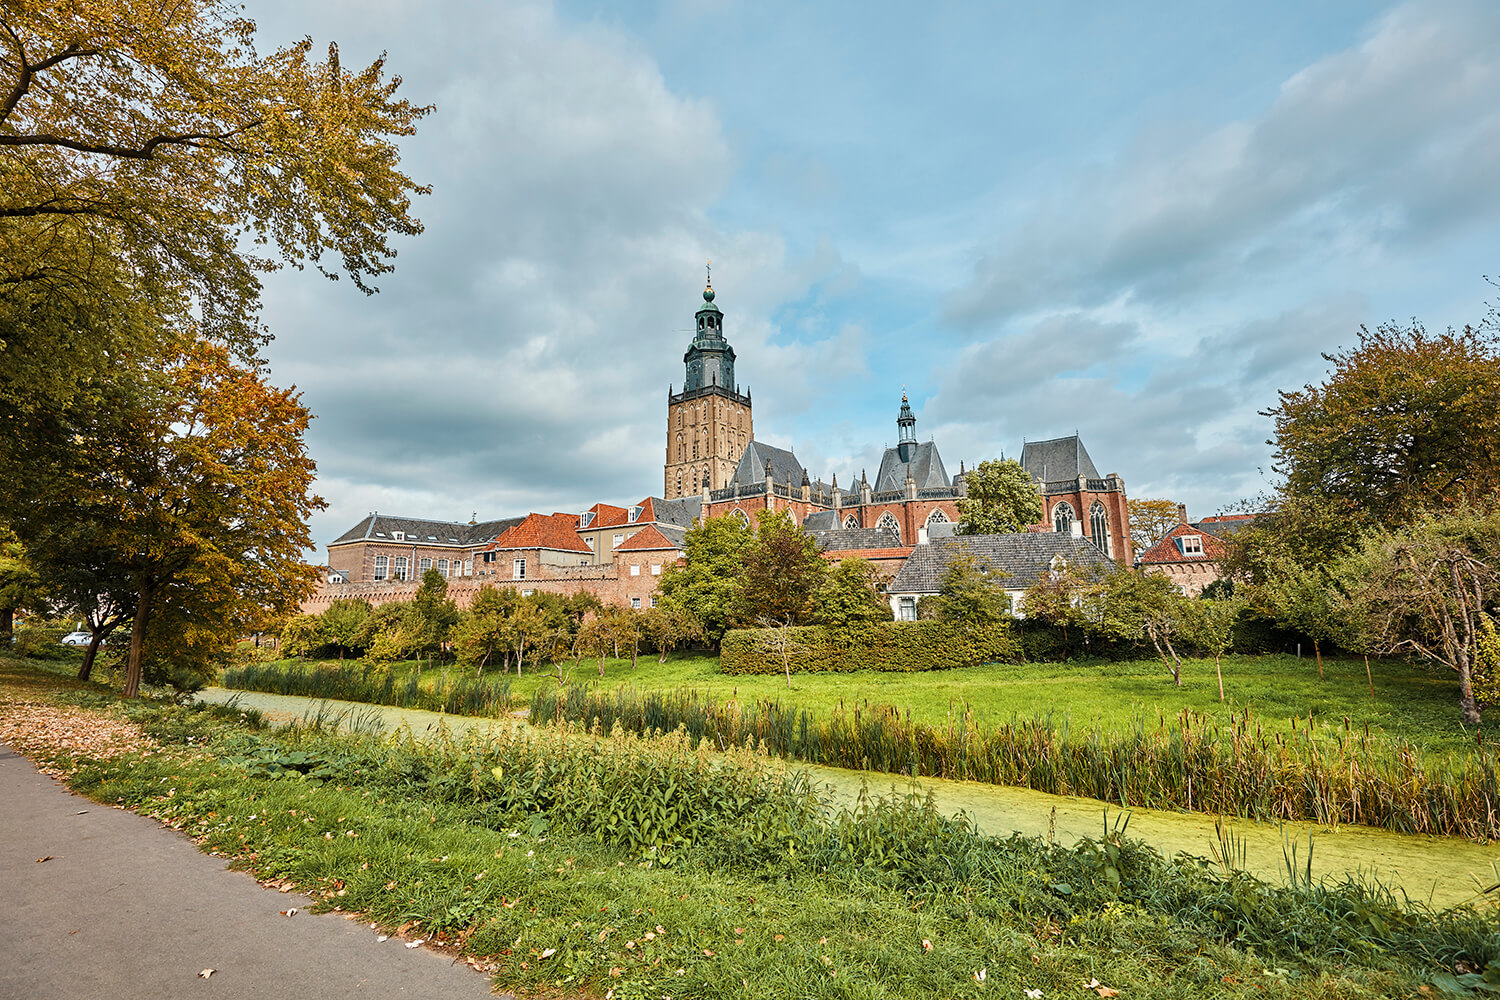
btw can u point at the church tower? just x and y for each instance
(708, 422)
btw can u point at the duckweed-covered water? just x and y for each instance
(1443, 871)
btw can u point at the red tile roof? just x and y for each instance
(543, 531)
(1167, 549)
(648, 539)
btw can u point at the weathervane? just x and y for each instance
(709, 266)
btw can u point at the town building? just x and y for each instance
(1190, 554)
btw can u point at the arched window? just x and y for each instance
(888, 522)
(1099, 527)
(851, 521)
(937, 516)
(741, 516)
(1063, 518)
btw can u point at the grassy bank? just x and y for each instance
(570, 866)
(1234, 767)
(1281, 691)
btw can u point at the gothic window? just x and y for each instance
(1099, 527)
(937, 517)
(742, 516)
(1062, 518)
(851, 521)
(695, 449)
(888, 522)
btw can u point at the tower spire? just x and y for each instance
(906, 425)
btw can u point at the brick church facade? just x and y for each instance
(714, 467)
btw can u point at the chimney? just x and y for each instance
(1182, 513)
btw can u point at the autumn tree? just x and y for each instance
(669, 625)
(19, 584)
(195, 479)
(1405, 422)
(705, 583)
(1001, 498)
(152, 146)
(1145, 607)
(1150, 520)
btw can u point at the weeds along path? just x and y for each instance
(1443, 871)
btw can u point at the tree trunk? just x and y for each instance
(1468, 708)
(1369, 676)
(1318, 652)
(635, 650)
(87, 667)
(7, 627)
(1220, 672)
(138, 641)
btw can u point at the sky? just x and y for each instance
(1133, 221)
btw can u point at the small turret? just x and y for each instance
(906, 427)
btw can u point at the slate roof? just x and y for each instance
(1224, 525)
(822, 520)
(681, 513)
(1058, 459)
(926, 467)
(842, 539)
(1025, 556)
(752, 467)
(382, 528)
(652, 538)
(543, 531)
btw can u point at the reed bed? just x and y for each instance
(1195, 762)
(375, 686)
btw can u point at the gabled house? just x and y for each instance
(1189, 555)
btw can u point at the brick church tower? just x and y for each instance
(708, 422)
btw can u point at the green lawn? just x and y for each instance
(1410, 701)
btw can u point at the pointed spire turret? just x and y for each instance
(906, 426)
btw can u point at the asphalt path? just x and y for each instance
(126, 908)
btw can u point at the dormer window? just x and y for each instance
(635, 513)
(1192, 545)
(587, 519)
(399, 536)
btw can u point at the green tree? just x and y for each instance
(20, 586)
(1212, 623)
(1428, 589)
(342, 623)
(707, 580)
(972, 593)
(850, 595)
(1001, 498)
(1303, 600)
(302, 635)
(433, 613)
(669, 625)
(1144, 607)
(480, 634)
(782, 568)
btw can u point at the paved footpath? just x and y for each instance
(127, 909)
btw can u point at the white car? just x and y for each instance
(76, 639)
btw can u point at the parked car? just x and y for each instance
(76, 639)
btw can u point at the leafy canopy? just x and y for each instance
(1001, 498)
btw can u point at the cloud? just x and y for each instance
(519, 357)
(1393, 140)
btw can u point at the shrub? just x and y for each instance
(894, 646)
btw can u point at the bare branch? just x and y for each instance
(144, 152)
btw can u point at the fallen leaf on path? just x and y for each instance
(47, 858)
(1105, 991)
(80, 812)
(416, 943)
(206, 973)
(548, 952)
(926, 944)
(289, 913)
(382, 937)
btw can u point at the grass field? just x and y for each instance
(497, 850)
(1410, 702)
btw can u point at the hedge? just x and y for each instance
(896, 646)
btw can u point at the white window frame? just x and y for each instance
(906, 609)
(399, 568)
(635, 569)
(527, 593)
(619, 540)
(635, 603)
(656, 569)
(424, 564)
(1192, 545)
(442, 566)
(382, 567)
(468, 567)
(518, 569)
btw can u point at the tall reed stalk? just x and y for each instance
(461, 695)
(1193, 761)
